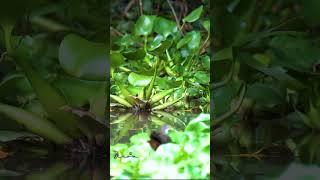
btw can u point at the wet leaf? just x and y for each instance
(144, 25)
(192, 40)
(138, 79)
(165, 27)
(194, 15)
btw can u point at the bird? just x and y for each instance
(158, 138)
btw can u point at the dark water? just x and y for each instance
(26, 167)
(39, 165)
(264, 170)
(296, 157)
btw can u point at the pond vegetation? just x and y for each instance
(53, 88)
(266, 89)
(162, 78)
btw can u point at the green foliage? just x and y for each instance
(272, 48)
(158, 55)
(187, 156)
(49, 73)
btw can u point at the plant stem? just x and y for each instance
(141, 7)
(145, 43)
(226, 81)
(7, 38)
(175, 17)
(225, 116)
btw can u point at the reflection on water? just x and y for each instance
(25, 167)
(293, 157)
(125, 125)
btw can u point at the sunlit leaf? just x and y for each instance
(144, 25)
(194, 15)
(138, 79)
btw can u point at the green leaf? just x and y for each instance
(202, 77)
(116, 59)
(265, 95)
(194, 15)
(165, 27)
(135, 54)
(164, 45)
(223, 54)
(295, 53)
(121, 101)
(185, 40)
(155, 98)
(83, 59)
(167, 104)
(195, 41)
(35, 124)
(81, 92)
(138, 79)
(49, 97)
(144, 25)
(206, 25)
(192, 39)
(275, 72)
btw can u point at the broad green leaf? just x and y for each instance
(223, 96)
(83, 59)
(206, 25)
(127, 40)
(192, 40)
(164, 45)
(295, 53)
(138, 79)
(185, 40)
(202, 77)
(194, 15)
(223, 54)
(35, 124)
(165, 27)
(116, 59)
(144, 25)
(195, 41)
(78, 92)
(135, 54)
(156, 42)
(276, 72)
(265, 95)
(49, 97)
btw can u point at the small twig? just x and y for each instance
(128, 7)
(116, 31)
(175, 16)
(141, 7)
